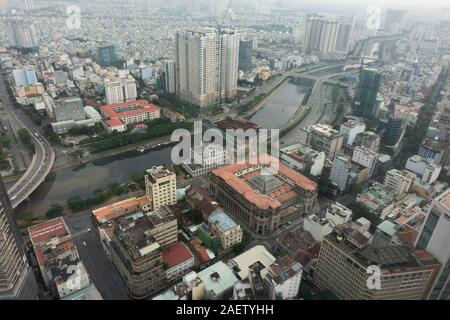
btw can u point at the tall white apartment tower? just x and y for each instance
(27, 4)
(320, 36)
(170, 77)
(206, 66)
(120, 90)
(21, 35)
(229, 64)
(394, 20)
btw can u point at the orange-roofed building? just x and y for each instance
(178, 259)
(47, 231)
(263, 196)
(122, 114)
(118, 209)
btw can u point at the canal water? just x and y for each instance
(85, 179)
(279, 107)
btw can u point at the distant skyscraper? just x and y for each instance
(219, 8)
(170, 77)
(366, 96)
(206, 66)
(435, 239)
(107, 56)
(26, 4)
(320, 36)
(394, 20)
(3, 6)
(392, 130)
(343, 38)
(120, 90)
(229, 66)
(17, 279)
(22, 35)
(245, 55)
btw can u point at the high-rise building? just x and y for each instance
(22, 36)
(120, 90)
(206, 66)
(394, 20)
(366, 96)
(245, 55)
(229, 65)
(106, 56)
(3, 6)
(219, 8)
(435, 238)
(322, 137)
(170, 77)
(393, 130)
(427, 171)
(366, 157)
(138, 257)
(27, 4)
(161, 187)
(444, 120)
(345, 261)
(398, 181)
(17, 278)
(368, 139)
(320, 36)
(350, 130)
(343, 38)
(340, 174)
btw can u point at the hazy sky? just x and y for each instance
(407, 4)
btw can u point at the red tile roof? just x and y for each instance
(145, 106)
(48, 230)
(114, 122)
(176, 254)
(263, 202)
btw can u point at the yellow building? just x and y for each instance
(161, 187)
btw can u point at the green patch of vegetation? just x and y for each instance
(360, 211)
(240, 247)
(51, 135)
(4, 140)
(56, 210)
(414, 136)
(25, 137)
(156, 129)
(83, 130)
(195, 215)
(307, 96)
(4, 164)
(166, 100)
(100, 196)
(33, 114)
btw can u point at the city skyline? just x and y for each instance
(231, 151)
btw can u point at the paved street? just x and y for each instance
(43, 157)
(100, 269)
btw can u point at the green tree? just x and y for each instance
(56, 210)
(76, 204)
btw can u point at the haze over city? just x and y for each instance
(224, 150)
